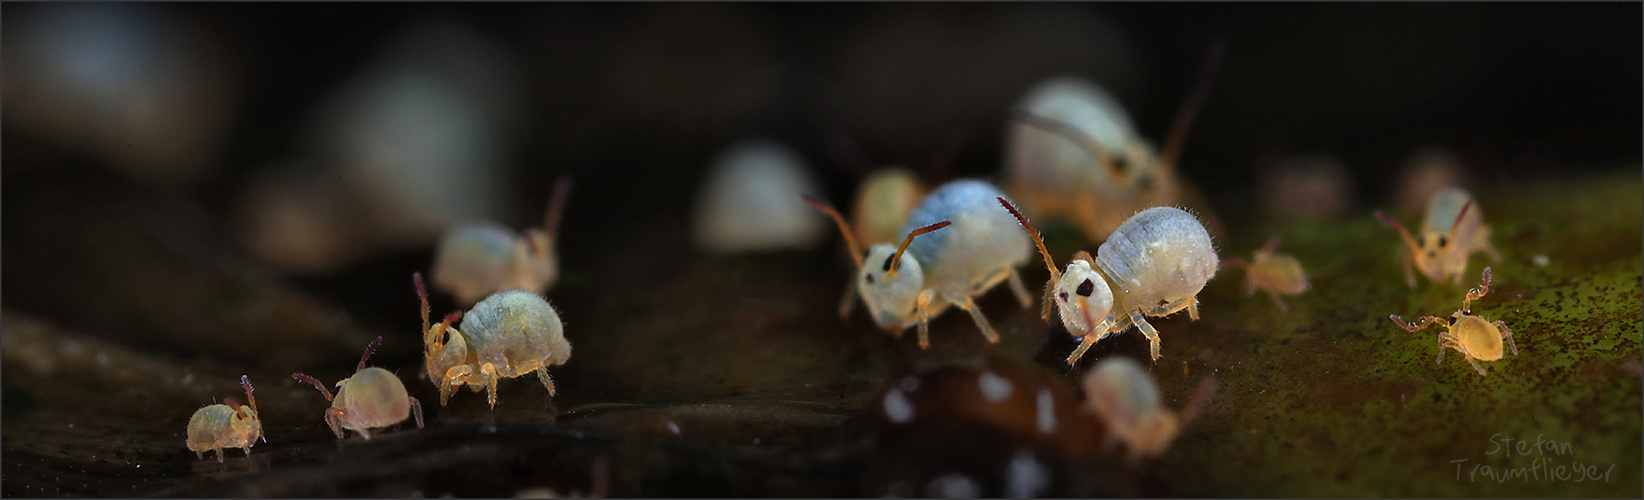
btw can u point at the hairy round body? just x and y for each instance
(510, 333)
(372, 398)
(219, 426)
(1157, 261)
(883, 202)
(1442, 257)
(1477, 339)
(516, 331)
(1482, 339)
(977, 251)
(958, 245)
(1153, 265)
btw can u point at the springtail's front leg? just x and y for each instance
(921, 309)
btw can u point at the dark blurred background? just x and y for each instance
(635, 100)
(1502, 82)
(1366, 81)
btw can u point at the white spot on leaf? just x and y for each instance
(897, 407)
(1025, 477)
(1047, 412)
(995, 388)
(952, 485)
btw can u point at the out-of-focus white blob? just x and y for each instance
(1026, 477)
(412, 144)
(424, 135)
(1309, 187)
(124, 83)
(1127, 399)
(751, 201)
(953, 485)
(1428, 170)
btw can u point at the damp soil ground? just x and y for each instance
(695, 375)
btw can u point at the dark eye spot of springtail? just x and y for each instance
(888, 263)
(1064, 296)
(868, 278)
(1452, 320)
(1086, 288)
(1443, 241)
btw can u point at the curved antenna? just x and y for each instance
(311, 380)
(444, 324)
(556, 205)
(1462, 213)
(250, 399)
(422, 293)
(1071, 133)
(1055, 275)
(1477, 293)
(368, 350)
(1389, 222)
(1190, 109)
(844, 227)
(895, 262)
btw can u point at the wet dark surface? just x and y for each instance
(126, 308)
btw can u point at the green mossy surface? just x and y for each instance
(1334, 399)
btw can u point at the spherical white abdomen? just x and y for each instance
(982, 240)
(1161, 254)
(515, 325)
